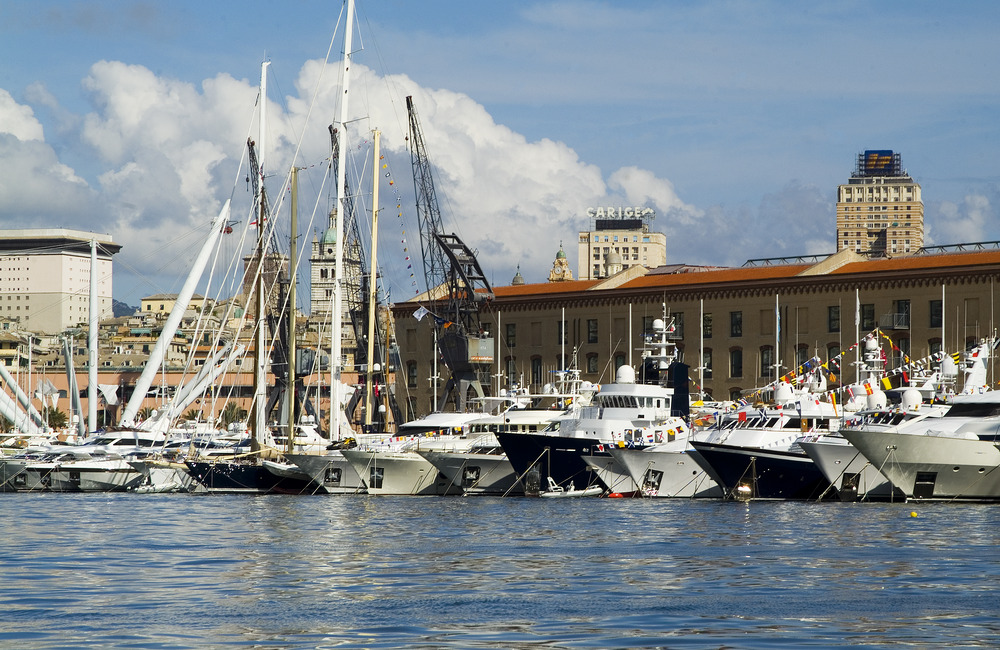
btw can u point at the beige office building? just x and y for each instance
(45, 277)
(619, 238)
(879, 209)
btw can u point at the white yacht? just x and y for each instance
(623, 414)
(952, 457)
(914, 409)
(393, 466)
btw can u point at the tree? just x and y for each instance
(192, 414)
(56, 418)
(232, 413)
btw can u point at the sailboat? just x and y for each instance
(262, 470)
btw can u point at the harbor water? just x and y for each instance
(207, 571)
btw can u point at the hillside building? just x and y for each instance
(45, 277)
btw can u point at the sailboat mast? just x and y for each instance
(371, 283)
(92, 343)
(336, 350)
(259, 421)
(292, 266)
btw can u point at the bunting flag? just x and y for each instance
(868, 388)
(886, 383)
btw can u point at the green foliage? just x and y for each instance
(232, 412)
(56, 418)
(191, 414)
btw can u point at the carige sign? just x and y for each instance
(620, 213)
(620, 218)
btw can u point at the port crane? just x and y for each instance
(455, 283)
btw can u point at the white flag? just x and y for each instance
(420, 313)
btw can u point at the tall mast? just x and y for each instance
(338, 297)
(92, 343)
(259, 421)
(290, 380)
(371, 285)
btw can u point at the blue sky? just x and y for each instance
(735, 121)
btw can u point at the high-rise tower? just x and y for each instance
(879, 210)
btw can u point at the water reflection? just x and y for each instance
(164, 571)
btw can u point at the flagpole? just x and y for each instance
(777, 338)
(857, 336)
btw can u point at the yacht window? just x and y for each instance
(982, 410)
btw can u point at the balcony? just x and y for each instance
(895, 321)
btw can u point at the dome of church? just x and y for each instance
(518, 278)
(614, 258)
(561, 255)
(330, 236)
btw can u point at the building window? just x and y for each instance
(561, 333)
(706, 326)
(833, 318)
(591, 330)
(411, 374)
(619, 361)
(934, 346)
(736, 326)
(706, 363)
(867, 317)
(766, 360)
(901, 314)
(736, 363)
(592, 363)
(536, 370)
(902, 355)
(511, 335)
(676, 331)
(801, 355)
(935, 307)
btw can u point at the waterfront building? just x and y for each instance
(725, 319)
(619, 237)
(45, 277)
(323, 279)
(879, 209)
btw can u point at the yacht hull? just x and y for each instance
(253, 478)
(331, 472)
(849, 472)
(929, 468)
(749, 472)
(476, 474)
(666, 473)
(535, 457)
(398, 473)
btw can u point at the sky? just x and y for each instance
(734, 121)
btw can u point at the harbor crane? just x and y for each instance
(451, 267)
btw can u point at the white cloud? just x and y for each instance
(18, 120)
(972, 220)
(166, 155)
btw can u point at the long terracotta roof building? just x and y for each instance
(732, 325)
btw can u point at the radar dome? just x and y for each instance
(625, 375)
(877, 400)
(911, 399)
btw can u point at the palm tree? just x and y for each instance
(56, 418)
(145, 412)
(231, 413)
(191, 414)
